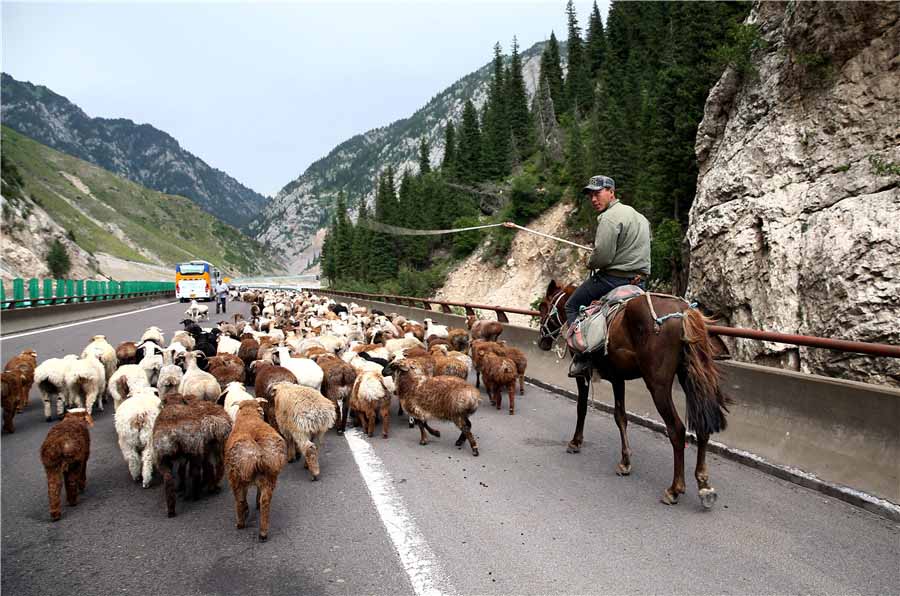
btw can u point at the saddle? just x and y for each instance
(589, 333)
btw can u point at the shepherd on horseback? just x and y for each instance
(621, 255)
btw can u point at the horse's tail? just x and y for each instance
(700, 377)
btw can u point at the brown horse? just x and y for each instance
(657, 351)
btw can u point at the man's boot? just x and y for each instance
(581, 366)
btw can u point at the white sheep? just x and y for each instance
(170, 374)
(154, 334)
(231, 397)
(228, 345)
(128, 378)
(50, 378)
(184, 340)
(107, 355)
(85, 382)
(308, 373)
(431, 328)
(134, 422)
(394, 346)
(196, 382)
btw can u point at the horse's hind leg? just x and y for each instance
(662, 397)
(575, 444)
(623, 468)
(706, 491)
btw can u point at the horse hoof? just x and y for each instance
(340, 432)
(315, 478)
(475, 451)
(573, 448)
(423, 442)
(48, 419)
(623, 470)
(512, 412)
(708, 497)
(669, 498)
(171, 514)
(263, 537)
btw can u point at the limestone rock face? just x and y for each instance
(796, 223)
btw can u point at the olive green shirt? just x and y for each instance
(622, 244)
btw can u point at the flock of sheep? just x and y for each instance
(184, 409)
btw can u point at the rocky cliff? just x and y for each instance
(288, 224)
(139, 152)
(794, 227)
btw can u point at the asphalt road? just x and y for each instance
(523, 518)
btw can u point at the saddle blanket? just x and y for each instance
(589, 332)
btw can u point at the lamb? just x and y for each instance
(337, 384)
(304, 416)
(308, 373)
(154, 334)
(11, 383)
(134, 421)
(170, 375)
(65, 454)
(50, 376)
(232, 396)
(85, 381)
(126, 379)
(499, 373)
(370, 394)
(443, 398)
(25, 363)
(197, 312)
(196, 382)
(483, 329)
(226, 368)
(254, 454)
(190, 434)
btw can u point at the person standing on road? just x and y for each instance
(621, 255)
(221, 296)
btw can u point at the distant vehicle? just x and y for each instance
(196, 280)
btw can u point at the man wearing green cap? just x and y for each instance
(621, 254)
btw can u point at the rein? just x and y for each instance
(555, 334)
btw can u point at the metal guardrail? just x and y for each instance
(873, 349)
(69, 291)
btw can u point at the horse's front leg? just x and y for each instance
(575, 444)
(623, 468)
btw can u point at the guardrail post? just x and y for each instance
(34, 293)
(79, 290)
(60, 295)
(18, 292)
(46, 293)
(70, 291)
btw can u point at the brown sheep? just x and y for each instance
(479, 348)
(12, 382)
(254, 454)
(337, 384)
(25, 363)
(371, 396)
(417, 330)
(517, 356)
(483, 329)
(248, 353)
(434, 340)
(267, 376)
(126, 353)
(499, 373)
(444, 365)
(459, 339)
(189, 434)
(443, 398)
(65, 454)
(226, 368)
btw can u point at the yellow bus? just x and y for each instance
(196, 280)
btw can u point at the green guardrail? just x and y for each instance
(70, 291)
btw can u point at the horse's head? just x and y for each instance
(553, 313)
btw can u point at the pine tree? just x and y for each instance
(469, 149)
(58, 259)
(575, 158)
(517, 106)
(384, 261)
(579, 96)
(448, 164)
(424, 156)
(361, 246)
(343, 241)
(496, 138)
(596, 42)
(551, 70)
(546, 126)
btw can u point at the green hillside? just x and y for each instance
(169, 226)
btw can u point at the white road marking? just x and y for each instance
(48, 329)
(416, 556)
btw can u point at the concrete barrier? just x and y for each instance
(832, 435)
(38, 317)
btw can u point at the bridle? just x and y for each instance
(545, 330)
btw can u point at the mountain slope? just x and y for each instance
(105, 214)
(289, 222)
(138, 152)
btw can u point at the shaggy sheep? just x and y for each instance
(254, 454)
(65, 454)
(134, 421)
(170, 374)
(442, 398)
(479, 348)
(126, 379)
(231, 397)
(126, 353)
(304, 416)
(25, 363)
(267, 376)
(228, 345)
(483, 329)
(459, 339)
(371, 395)
(337, 384)
(184, 340)
(499, 373)
(85, 380)
(189, 434)
(50, 376)
(11, 383)
(104, 352)
(517, 356)
(226, 368)
(196, 382)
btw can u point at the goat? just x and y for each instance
(254, 454)
(134, 421)
(308, 373)
(170, 375)
(64, 454)
(304, 416)
(154, 334)
(232, 396)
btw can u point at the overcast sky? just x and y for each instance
(261, 90)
